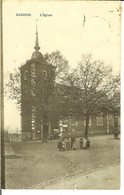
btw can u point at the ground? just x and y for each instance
(106, 178)
(40, 165)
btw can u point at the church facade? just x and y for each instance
(37, 79)
(35, 74)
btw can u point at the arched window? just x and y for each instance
(44, 74)
(25, 75)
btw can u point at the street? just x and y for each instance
(106, 178)
(37, 165)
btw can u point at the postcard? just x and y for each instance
(61, 74)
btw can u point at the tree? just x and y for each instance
(112, 103)
(92, 83)
(87, 90)
(13, 80)
(59, 62)
(44, 96)
(13, 86)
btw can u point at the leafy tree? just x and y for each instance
(59, 62)
(45, 95)
(87, 90)
(112, 103)
(93, 85)
(13, 86)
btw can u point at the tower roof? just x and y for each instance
(36, 54)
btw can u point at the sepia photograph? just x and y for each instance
(62, 66)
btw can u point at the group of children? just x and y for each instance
(66, 144)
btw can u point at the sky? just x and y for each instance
(74, 28)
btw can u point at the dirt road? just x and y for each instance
(107, 178)
(37, 165)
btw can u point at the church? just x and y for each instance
(37, 81)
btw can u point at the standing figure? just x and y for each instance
(63, 144)
(74, 145)
(81, 143)
(59, 145)
(68, 146)
(84, 143)
(72, 141)
(88, 143)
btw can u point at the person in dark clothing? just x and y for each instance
(59, 145)
(63, 144)
(74, 145)
(88, 143)
(68, 146)
(72, 141)
(81, 143)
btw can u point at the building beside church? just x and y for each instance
(98, 125)
(37, 78)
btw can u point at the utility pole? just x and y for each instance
(2, 107)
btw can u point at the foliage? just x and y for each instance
(94, 88)
(59, 61)
(13, 80)
(13, 86)
(87, 90)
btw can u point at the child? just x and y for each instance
(63, 144)
(88, 143)
(84, 143)
(72, 141)
(74, 145)
(60, 145)
(68, 146)
(81, 143)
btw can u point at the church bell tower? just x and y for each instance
(35, 77)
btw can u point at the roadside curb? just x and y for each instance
(42, 185)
